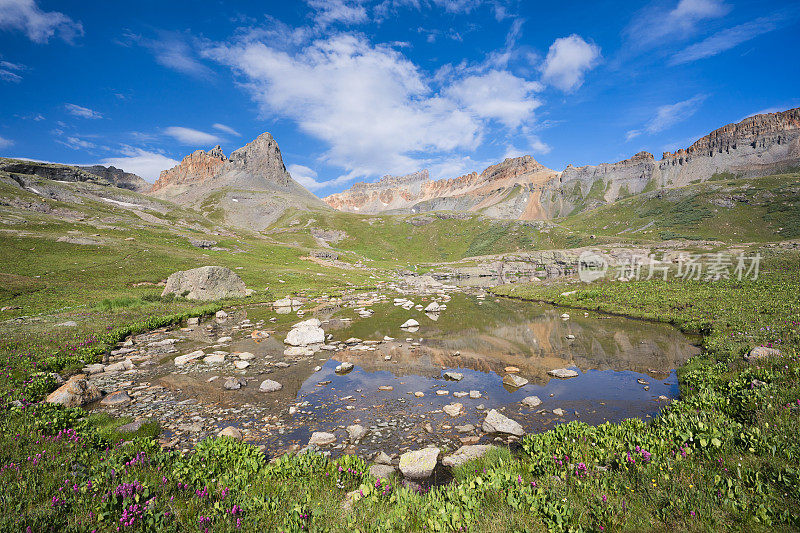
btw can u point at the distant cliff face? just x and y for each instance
(521, 188)
(249, 189)
(497, 189)
(757, 146)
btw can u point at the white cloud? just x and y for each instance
(568, 60)
(141, 162)
(82, 112)
(654, 25)
(5, 143)
(307, 178)
(331, 11)
(9, 71)
(724, 40)
(191, 137)
(227, 129)
(38, 25)
(173, 50)
(372, 106)
(668, 115)
(497, 95)
(76, 143)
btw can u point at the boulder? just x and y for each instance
(74, 393)
(453, 376)
(382, 458)
(287, 302)
(120, 366)
(321, 438)
(304, 334)
(466, 453)
(205, 283)
(410, 323)
(498, 423)
(761, 352)
(531, 401)
(241, 365)
(513, 380)
(563, 373)
(231, 432)
(269, 386)
(344, 368)
(433, 307)
(419, 464)
(116, 399)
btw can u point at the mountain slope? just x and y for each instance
(250, 189)
(108, 176)
(523, 189)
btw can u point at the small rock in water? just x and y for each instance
(563, 373)
(321, 438)
(454, 409)
(116, 399)
(531, 401)
(231, 432)
(453, 376)
(513, 380)
(344, 367)
(419, 394)
(474, 394)
(442, 392)
(386, 387)
(559, 412)
(356, 432)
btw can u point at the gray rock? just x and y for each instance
(474, 394)
(120, 366)
(305, 334)
(381, 471)
(131, 427)
(231, 432)
(189, 357)
(269, 386)
(234, 383)
(356, 432)
(531, 401)
(498, 423)
(466, 453)
(513, 380)
(563, 373)
(382, 458)
(453, 376)
(321, 438)
(205, 283)
(344, 368)
(94, 368)
(761, 352)
(410, 323)
(419, 464)
(559, 412)
(454, 409)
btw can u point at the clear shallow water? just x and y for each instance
(611, 354)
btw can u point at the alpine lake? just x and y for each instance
(406, 388)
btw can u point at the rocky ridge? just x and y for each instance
(250, 189)
(521, 188)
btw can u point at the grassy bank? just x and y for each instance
(726, 456)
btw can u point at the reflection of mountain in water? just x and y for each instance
(535, 342)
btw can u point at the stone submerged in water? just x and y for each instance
(419, 464)
(531, 401)
(74, 393)
(205, 283)
(466, 453)
(356, 432)
(321, 438)
(454, 409)
(513, 380)
(563, 373)
(498, 423)
(269, 386)
(231, 432)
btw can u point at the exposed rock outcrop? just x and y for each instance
(521, 188)
(250, 189)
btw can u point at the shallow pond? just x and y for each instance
(396, 387)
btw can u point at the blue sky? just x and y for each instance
(355, 89)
